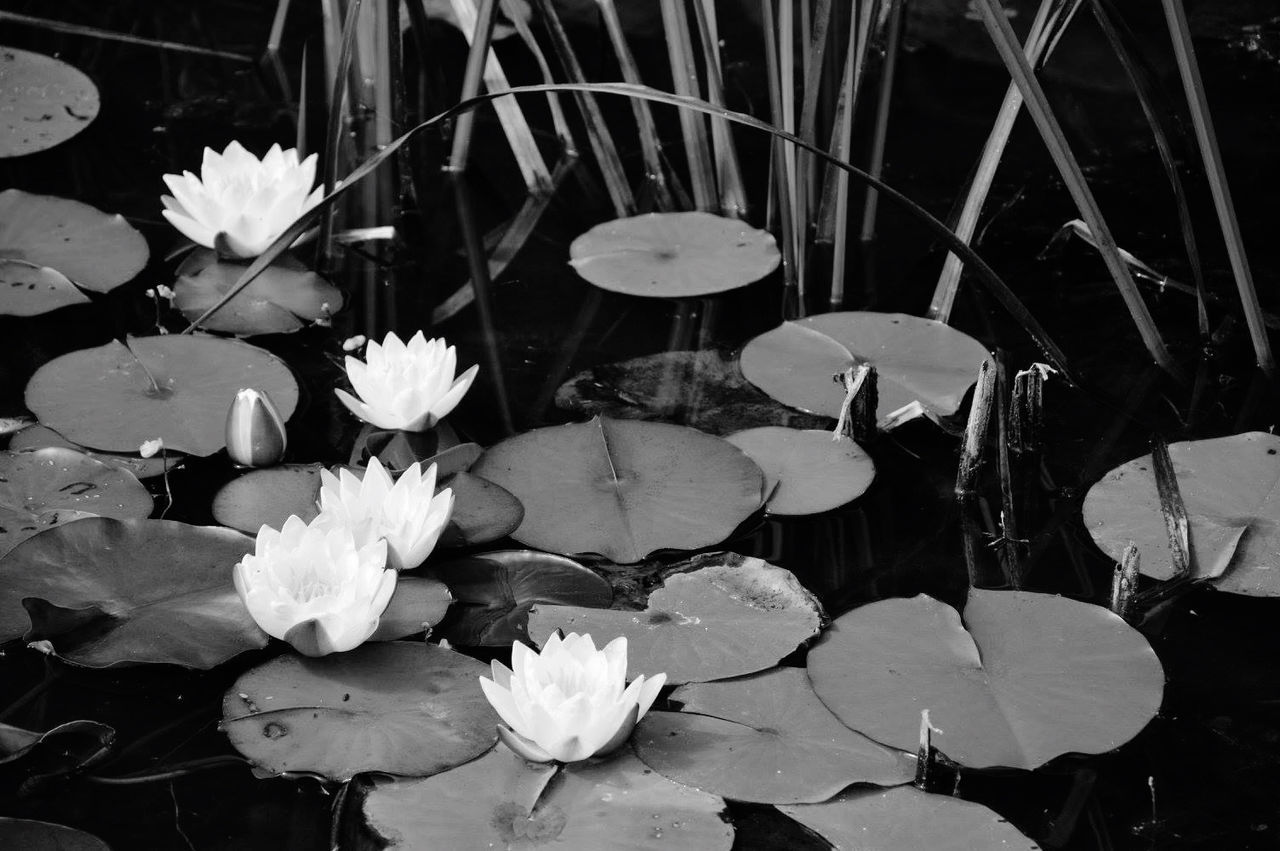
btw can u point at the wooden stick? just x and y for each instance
(1124, 581)
(1173, 509)
(975, 433)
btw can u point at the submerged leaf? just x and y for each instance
(286, 297)
(43, 102)
(96, 250)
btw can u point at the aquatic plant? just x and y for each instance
(407, 386)
(256, 435)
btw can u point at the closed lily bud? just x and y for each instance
(255, 431)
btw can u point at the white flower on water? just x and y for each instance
(402, 386)
(406, 512)
(247, 200)
(570, 701)
(314, 586)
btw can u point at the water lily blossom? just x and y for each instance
(402, 386)
(570, 701)
(255, 431)
(247, 201)
(407, 513)
(314, 587)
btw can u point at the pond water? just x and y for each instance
(1202, 774)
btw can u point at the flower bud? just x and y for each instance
(255, 432)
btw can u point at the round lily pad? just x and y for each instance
(417, 605)
(501, 801)
(676, 255)
(269, 497)
(39, 437)
(175, 387)
(103, 592)
(286, 297)
(43, 102)
(42, 488)
(764, 738)
(43, 836)
(916, 360)
(905, 817)
(27, 290)
(1230, 487)
(496, 590)
(724, 620)
(623, 488)
(482, 511)
(806, 472)
(399, 707)
(1025, 678)
(96, 250)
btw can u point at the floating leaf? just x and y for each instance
(916, 360)
(736, 616)
(1231, 489)
(905, 817)
(501, 801)
(496, 590)
(806, 472)
(624, 488)
(269, 497)
(764, 738)
(286, 297)
(417, 605)
(42, 488)
(177, 388)
(96, 250)
(42, 836)
(43, 102)
(482, 511)
(400, 707)
(27, 290)
(676, 255)
(114, 592)
(39, 437)
(1027, 677)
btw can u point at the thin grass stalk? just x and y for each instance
(781, 181)
(331, 17)
(1038, 106)
(558, 119)
(334, 130)
(684, 80)
(843, 138)
(300, 130)
(1011, 550)
(733, 198)
(1202, 119)
(270, 60)
(1049, 18)
(124, 38)
(814, 56)
(476, 24)
(797, 201)
(650, 146)
(889, 69)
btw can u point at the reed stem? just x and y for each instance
(888, 71)
(975, 433)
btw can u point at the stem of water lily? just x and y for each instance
(180, 770)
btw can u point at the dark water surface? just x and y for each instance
(1202, 775)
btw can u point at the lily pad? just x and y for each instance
(176, 387)
(501, 801)
(764, 738)
(482, 511)
(417, 605)
(723, 620)
(1231, 489)
(39, 437)
(43, 836)
(96, 250)
(905, 817)
(43, 102)
(101, 592)
(42, 488)
(269, 497)
(404, 708)
(917, 360)
(286, 297)
(27, 290)
(676, 255)
(496, 590)
(624, 488)
(806, 472)
(1025, 678)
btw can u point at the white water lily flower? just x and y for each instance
(568, 702)
(409, 387)
(247, 200)
(314, 587)
(408, 514)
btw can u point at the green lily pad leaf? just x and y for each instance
(42, 488)
(27, 290)
(102, 592)
(269, 497)
(482, 511)
(400, 707)
(1231, 489)
(96, 250)
(43, 836)
(917, 360)
(286, 297)
(67, 747)
(1025, 678)
(624, 488)
(501, 801)
(806, 472)
(416, 606)
(40, 437)
(675, 255)
(764, 738)
(905, 817)
(496, 590)
(724, 620)
(43, 102)
(177, 388)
